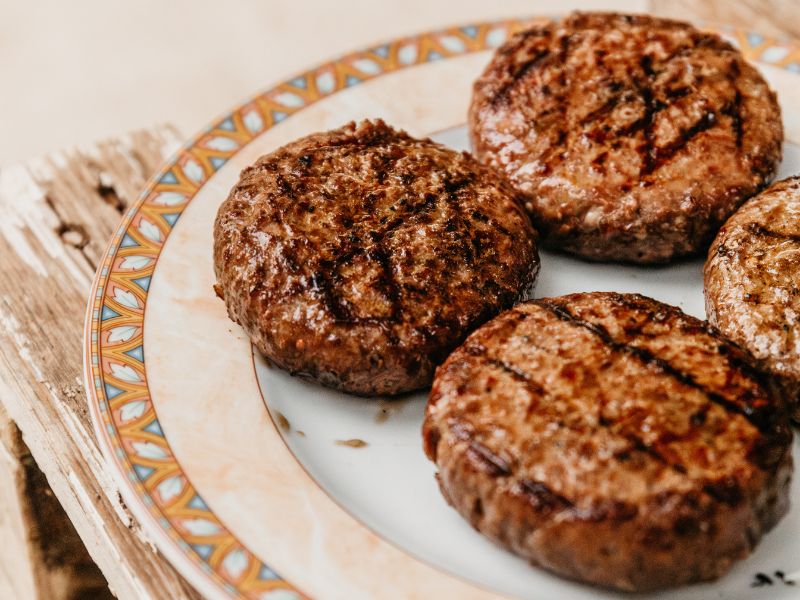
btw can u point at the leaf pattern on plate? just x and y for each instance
(123, 333)
(201, 527)
(169, 199)
(289, 99)
(149, 450)
(124, 372)
(132, 410)
(150, 231)
(235, 563)
(126, 298)
(326, 82)
(193, 171)
(253, 121)
(135, 262)
(222, 144)
(171, 488)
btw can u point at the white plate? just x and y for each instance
(183, 408)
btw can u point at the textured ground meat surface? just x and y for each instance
(361, 257)
(612, 439)
(752, 282)
(633, 138)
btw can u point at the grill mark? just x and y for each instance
(341, 313)
(734, 112)
(734, 107)
(529, 64)
(674, 94)
(509, 326)
(494, 465)
(388, 281)
(646, 62)
(536, 389)
(452, 186)
(523, 69)
(649, 449)
(652, 158)
(726, 490)
(542, 497)
(653, 106)
(614, 510)
(734, 359)
(345, 251)
(757, 418)
(559, 140)
(605, 108)
(650, 110)
(661, 156)
(460, 224)
(557, 146)
(518, 375)
(759, 230)
(655, 99)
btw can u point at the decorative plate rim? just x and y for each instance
(149, 477)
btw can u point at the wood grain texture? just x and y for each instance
(777, 18)
(42, 557)
(58, 213)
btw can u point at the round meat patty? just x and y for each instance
(610, 438)
(632, 138)
(361, 257)
(752, 282)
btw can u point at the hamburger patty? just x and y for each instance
(632, 138)
(751, 282)
(610, 438)
(361, 257)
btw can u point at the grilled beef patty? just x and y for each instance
(361, 257)
(632, 138)
(752, 282)
(610, 438)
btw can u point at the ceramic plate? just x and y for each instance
(255, 484)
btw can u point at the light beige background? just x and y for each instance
(75, 71)
(72, 72)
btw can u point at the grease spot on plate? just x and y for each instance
(386, 408)
(353, 443)
(283, 422)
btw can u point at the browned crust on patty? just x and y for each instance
(633, 138)
(361, 256)
(610, 438)
(751, 282)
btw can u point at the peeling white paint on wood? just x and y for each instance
(10, 326)
(16, 183)
(45, 276)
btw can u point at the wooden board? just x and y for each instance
(58, 213)
(779, 18)
(42, 556)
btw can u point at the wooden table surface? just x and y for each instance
(58, 211)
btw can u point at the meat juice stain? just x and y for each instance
(762, 579)
(352, 443)
(386, 408)
(283, 422)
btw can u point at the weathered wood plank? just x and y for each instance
(42, 556)
(778, 18)
(58, 213)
